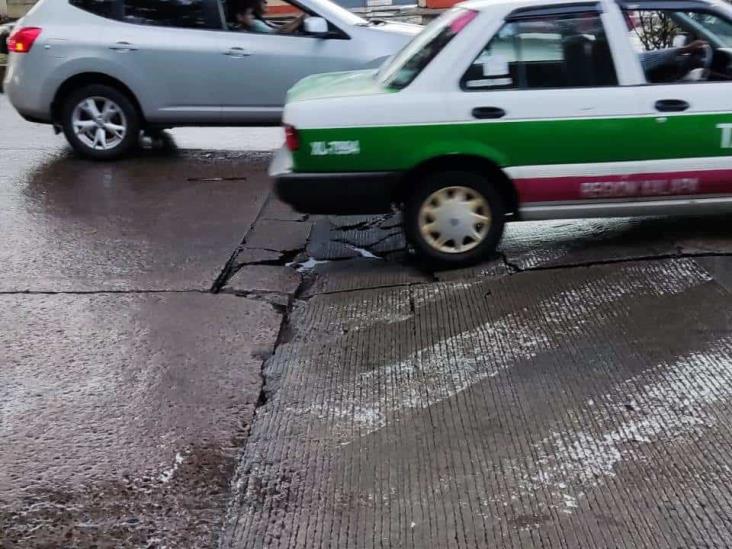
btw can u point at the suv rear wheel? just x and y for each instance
(100, 122)
(454, 218)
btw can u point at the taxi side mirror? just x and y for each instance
(316, 26)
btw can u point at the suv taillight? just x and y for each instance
(22, 40)
(292, 138)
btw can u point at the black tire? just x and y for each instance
(131, 116)
(491, 233)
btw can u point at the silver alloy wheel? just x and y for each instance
(99, 123)
(454, 220)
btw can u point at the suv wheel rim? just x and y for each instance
(99, 123)
(454, 220)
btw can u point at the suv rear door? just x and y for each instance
(163, 50)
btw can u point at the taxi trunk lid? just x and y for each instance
(336, 84)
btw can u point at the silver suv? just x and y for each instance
(103, 71)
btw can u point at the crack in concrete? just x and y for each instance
(362, 225)
(265, 296)
(283, 303)
(512, 267)
(102, 292)
(364, 252)
(368, 247)
(370, 288)
(516, 269)
(286, 258)
(230, 267)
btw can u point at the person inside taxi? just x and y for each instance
(650, 28)
(671, 59)
(249, 17)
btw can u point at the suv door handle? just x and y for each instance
(123, 47)
(488, 112)
(671, 105)
(237, 52)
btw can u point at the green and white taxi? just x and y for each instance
(522, 110)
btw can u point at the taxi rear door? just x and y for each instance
(548, 99)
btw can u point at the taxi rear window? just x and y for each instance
(413, 59)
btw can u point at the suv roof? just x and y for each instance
(489, 4)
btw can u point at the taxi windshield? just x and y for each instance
(412, 60)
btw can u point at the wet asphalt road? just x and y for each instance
(572, 392)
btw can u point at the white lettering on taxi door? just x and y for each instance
(726, 135)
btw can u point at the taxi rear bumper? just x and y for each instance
(346, 193)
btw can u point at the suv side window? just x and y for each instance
(164, 13)
(111, 9)
(192, 14)
(555, 51)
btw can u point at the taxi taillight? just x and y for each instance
(292, 138)
(22, 40)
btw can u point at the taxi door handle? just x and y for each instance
(488, 112)
(671, 105)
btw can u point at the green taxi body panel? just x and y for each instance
(514, 143)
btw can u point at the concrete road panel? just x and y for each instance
(583, 407)
(148, 223)
(121, 416)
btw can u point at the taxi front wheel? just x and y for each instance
(454, 218)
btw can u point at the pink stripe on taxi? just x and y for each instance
(604, 187)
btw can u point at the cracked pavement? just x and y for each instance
(189, 363)
(571, 392)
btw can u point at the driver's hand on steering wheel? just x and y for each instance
(696, 46)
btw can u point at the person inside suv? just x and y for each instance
(249, 17)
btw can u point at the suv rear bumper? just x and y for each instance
(345, 193)
(27, 90)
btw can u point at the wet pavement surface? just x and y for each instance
(126, 387)
(573, 391)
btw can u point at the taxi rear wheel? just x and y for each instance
(454, 218)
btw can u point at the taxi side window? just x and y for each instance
(560, 51)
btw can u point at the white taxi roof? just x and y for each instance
(483, 5)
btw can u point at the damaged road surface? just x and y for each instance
(127, 388)
(574, 392)
(186, 362)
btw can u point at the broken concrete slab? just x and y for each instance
(362, 274)
(280, 236)
(720, 268)
(323, 247)
(355, 236)
(276, 210)
(265, 278)
(256, 255)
